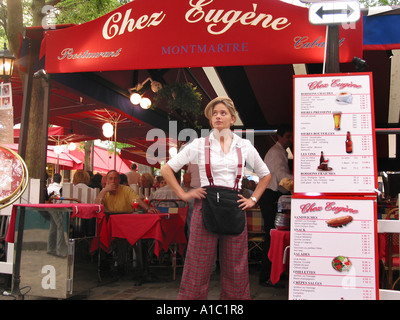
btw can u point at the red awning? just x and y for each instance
(65, 159)
(103, 161)
(58, 134)
(194, 34)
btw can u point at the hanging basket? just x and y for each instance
(181, 97)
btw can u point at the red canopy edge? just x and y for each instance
(138, 36)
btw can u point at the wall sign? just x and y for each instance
(153, 34)
(332, 249)
(334, 134)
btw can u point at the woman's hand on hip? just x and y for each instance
(245, 203)
(198, 193)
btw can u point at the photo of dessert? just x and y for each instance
(344, 97)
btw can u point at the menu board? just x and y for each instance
(332, 249)
(334, 134)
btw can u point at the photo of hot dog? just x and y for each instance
(339, 221)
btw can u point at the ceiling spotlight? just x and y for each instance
(135, 98)
(360, 64)
(145, 103)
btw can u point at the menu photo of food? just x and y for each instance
(5, 95)
(344, 98)
(339, 222)
(341, 264)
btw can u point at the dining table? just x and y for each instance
(164, 228)
(278, 253)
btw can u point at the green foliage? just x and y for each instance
(181, 97)
(377, 3)
(80, 11)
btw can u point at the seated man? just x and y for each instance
(118, 198)
(164, 192)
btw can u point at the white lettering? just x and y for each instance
(68, 53)
(214, 18)
(113, 27)
(49, 280)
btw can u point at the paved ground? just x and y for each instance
(160, 286)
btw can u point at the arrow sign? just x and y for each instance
(334, 12)
(321, 12)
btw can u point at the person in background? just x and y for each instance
(157, 181)
(163, 192)
(146, 180)
(132, 175)
(54, 189)
(202, 246)
(96, 181)
(103, 181)
(124, 179)
(277, 161)
(118, 198)
(81, 181)
(246, 191)
(81, 178)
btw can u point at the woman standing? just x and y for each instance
(202, 247)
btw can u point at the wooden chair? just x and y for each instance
(256, 233)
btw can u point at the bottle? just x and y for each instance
(349, 143)
(321, 158)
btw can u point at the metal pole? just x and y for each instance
(17, 258)
(332, 49)
(115, 145)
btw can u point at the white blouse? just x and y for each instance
(223, 166)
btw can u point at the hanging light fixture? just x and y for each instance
(7, 60)
(136, 93)
(108, 129)
(135, 98)
(58, 149)
(145, 103)
(72, 146)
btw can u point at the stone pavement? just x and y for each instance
(160, 287)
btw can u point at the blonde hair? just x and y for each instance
(226, 101)
(81, 176)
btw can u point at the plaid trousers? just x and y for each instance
(200, 256)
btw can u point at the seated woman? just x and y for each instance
(81, 189)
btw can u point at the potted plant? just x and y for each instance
(182, 97)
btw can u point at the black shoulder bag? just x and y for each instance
(220, 210)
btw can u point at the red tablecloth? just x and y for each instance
(80, 210)
(165, 228)
(280, 239)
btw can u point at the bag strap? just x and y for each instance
(207, 152)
